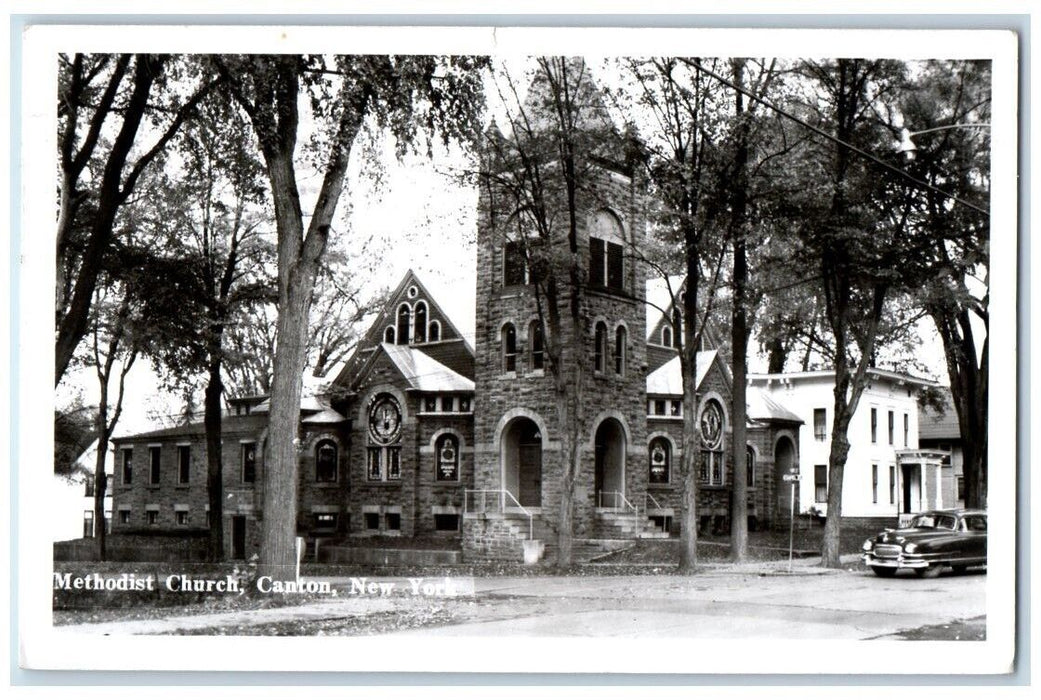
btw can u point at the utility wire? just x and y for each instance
(820, 132)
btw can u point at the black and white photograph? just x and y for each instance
(531, 350)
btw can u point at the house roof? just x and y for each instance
(942, 424)
(228, 423)
(668, 378)
(325, 417)
(423, 372)
(762, 407)
(789, 377)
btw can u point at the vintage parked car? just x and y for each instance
(932, 540)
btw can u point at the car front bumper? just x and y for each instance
(899, 562)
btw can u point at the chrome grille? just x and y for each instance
(887, 551)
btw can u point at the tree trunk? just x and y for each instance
(830, 547)
(739, 332)
(100, 479)
(214, 461)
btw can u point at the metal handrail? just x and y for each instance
(618, 495)
(502, 495)
(652, 499)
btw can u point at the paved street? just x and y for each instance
(723, 602)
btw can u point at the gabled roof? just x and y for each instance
(668, 379)
(324, 417)
(424, 373)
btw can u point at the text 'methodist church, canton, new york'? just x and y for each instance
(422, 434)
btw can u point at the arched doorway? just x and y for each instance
(522, 461)
(609, 464)
(784, 463)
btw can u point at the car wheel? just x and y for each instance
(884, 571)
(931, 571)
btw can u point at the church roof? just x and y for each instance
(762, 407)
(668, 379)
(325, 417)
(659, 300)
(423, 372)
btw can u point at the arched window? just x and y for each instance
(388, 335)
(600, 347)
(660, 454)
(666, 336)
(606, 241)
(712, 430)
(536, 344)
(509, 348)
(446, 452)
(384, 443)
(619, 350)
(750, 465)
(420, 333)
(434, 332)
(325, 461)
(404, 318)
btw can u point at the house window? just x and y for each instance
(420, 333)
(464, 404)
(820, 483)
(108, 522)
(325, 521)
(874, 425)
(446, 450)
(509, 348)
(434, 332)
(619, 350)
(874, 483)
(447, 403)
(404, 321)
(446, 522)
(372, 521)
(325, 460)
(907, 428)
(666, 336)
(181, 517)
(430, 404)
(184, 463)
(661, 461)
(961, 488)
(536, 342)
(153, 464)
(606, 266)
(88, 523)
(388, 335)
(393, 521)
(384, 452)
(676, 408)
(820, 424)
(152, 517)
(88, 485)
(124, 517)
(892, 419)
(712, 430)
(600, 346)
(750, 466)
(659, 407)
(892, 484)
(249, 462)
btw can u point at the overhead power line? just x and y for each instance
(820, 132)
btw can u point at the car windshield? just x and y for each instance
(935, 520)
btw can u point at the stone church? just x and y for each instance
(422, 434)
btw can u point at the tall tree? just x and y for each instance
(684, 132)
(949, 104)
(854, 230)
(104, 102)
(414, 98)
(212, 223)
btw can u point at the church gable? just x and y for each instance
(412, 318)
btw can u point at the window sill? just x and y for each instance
(669, 418)
(183, 487)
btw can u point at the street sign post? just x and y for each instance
(792, 477)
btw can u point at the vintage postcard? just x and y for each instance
(517, 350)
